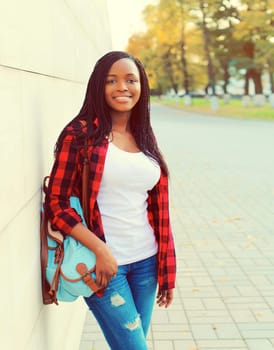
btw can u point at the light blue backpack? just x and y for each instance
(71, 265)
(67, 266)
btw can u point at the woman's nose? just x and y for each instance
(122, 86)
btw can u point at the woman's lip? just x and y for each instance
(122, 98)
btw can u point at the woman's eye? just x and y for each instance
(111, 81)
(114, 81)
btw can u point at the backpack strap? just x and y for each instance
(85, 185)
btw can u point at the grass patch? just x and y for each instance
(233, 109)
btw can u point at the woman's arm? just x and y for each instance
(158, 214)
(63, 182)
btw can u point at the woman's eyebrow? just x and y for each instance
(128, 74)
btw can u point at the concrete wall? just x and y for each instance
(47, 51)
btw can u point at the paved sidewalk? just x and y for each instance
(222, 208)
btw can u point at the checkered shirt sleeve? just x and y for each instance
(62, 184)
(158, 214)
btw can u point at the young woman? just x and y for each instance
(128, 229)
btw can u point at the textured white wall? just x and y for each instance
(47, 51)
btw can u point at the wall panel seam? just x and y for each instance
(41, 74)
(2, 229)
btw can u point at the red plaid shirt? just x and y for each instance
(65, 180)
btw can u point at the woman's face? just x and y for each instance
(123, 88)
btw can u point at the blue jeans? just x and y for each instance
(124, 312)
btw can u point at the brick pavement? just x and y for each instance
(222, 208)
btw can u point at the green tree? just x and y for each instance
(216, 19)
(255, 32)
(177, 30)
(225, 17)
(166, 23)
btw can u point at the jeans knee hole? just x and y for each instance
(135, 324)
(117, 299)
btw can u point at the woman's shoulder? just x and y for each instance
(76, 127)
(77, 131)
(74, 130)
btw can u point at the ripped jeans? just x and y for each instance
(124, 312)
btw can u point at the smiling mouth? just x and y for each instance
(122, 98)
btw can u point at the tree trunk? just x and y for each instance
(210, 68)
(257, 79)
(253, 74)
(184, 64)
(246, 86)
(271, 80)
(226, 77)
(168, 65)
(183, 52)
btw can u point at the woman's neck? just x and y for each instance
(120, 122)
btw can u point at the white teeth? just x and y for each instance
(122, 98)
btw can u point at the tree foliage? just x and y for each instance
(189, 45)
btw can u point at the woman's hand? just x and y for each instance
(106, 266)
(164, 297)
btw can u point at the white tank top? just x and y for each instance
(122, 202)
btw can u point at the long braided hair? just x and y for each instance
(95, 111)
